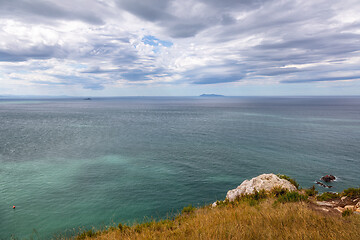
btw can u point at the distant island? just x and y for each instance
(211, 95)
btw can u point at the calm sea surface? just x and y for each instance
(71, 163)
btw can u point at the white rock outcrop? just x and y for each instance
(263, 182)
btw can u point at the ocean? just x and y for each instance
(73, 164)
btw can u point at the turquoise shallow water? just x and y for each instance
(70, 163)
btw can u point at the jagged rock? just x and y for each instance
(214, 204)
(327, 204)
(328, 178)
(323, 185)
(340, 209)
(263, 182)
(343, 198)
(350, 207)
(357, 205)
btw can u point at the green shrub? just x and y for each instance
(253, 199)
(351, 192)
(188, 209)
(147, 224)
(112, 228)
(291, 197)
(222, 203)
(289, 179)
(311, 191)
(278, 191)
(123, 227)
(168, 224)
(85, 234)
(326, 196)
(259, 195)
(138, 228)
(252, 202)
(346, 213)
(120, 226)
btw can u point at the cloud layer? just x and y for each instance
(83, 46)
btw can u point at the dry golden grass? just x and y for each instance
(242, 221)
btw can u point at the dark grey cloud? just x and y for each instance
(209, 41)
(98, 70)
(35, 52)
(53, 83)
(277, 19)
(131, 75)
(93, 86)
(12, 57)
(161, 12)
(227, 19)
(237, 4)
(142, 74)
(214, 79)
(136, 75)
(277, 71)
(332, 43)
(322, 79)
(185, 30)
(152, 10)
(43, 11)
(85, 82)
(227, 72)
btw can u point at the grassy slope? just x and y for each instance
(291, 220)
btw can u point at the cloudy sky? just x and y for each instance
(179, 47)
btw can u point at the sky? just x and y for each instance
(179, 47)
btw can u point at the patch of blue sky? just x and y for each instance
(78, 66)
(22, 71)
(153, 41)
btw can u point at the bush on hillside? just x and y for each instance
(278, 191)
(188, 209)
(326, 196)
(351, 192)
(311, 191)
(291, 197)
(282, 176)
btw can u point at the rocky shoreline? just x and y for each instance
(339, 205)
(327, 202)
(265, 207)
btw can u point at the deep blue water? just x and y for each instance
(70, 163)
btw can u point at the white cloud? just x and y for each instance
(98, 44)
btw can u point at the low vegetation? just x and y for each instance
(282, 176)
(311, 191)
(294, 220)
(327, 196)
(351, 192)
(188, 209)
(291, 197)
(346, 213)
(278, 214)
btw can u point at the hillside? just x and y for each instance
(275, 214)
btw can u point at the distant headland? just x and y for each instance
(211, 95)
